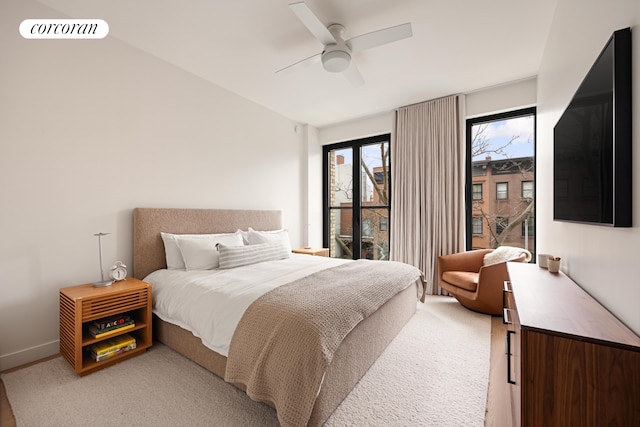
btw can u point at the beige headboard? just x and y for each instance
(148, 249)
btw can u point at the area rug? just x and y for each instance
(434, 373)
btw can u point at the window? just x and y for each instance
(527, 227)
(477, 225)
(477, 191)
(527, 189)
(501, 154)
(356, 198)
(502, 191)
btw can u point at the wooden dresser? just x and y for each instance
(570, 361)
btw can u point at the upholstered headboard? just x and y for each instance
(148, 249)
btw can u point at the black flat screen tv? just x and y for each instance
(592, 165)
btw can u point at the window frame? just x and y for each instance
(474, 192)
(473, 225)
(506, 192)
(532, 227)
(522, 190)
(357, 207)
(469, 200)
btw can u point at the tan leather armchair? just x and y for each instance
(476, 286)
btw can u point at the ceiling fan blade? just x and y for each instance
(353, 75)
(313, 59)
(313, 24)
(380, 37)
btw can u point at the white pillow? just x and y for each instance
(245, 235)
(174, 255)
(172, 251)
(202, 254)
(237, 256)
(255, 237)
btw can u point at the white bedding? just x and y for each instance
(210, 303)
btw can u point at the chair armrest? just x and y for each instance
(494, 273)
(463, 261)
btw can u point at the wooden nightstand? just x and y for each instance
(312, 251)
(82, 304)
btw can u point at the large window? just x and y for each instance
(501, 153)
(357, 198)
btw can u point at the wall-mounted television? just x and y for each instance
(592, 165)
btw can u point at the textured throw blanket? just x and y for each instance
(287, 337)
(506, 253)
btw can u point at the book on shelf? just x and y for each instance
(96, 333)
(112, 321)
(121, 350)
(112, 345)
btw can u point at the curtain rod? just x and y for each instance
(430, 100)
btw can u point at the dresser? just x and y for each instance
(569, 360)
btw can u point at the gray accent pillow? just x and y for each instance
(237, 256)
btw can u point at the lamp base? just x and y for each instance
(103, 283)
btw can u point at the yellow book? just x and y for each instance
(115, 331)
(112, 344)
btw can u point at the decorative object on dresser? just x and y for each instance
(553, 264)
(312, 251)
(90, 315)
(542, 260)
(569, 361)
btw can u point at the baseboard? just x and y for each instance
(28, 355)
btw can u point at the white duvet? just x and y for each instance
(210, 303)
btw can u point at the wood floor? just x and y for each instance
(498, 413)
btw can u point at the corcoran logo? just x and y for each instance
(64, 29)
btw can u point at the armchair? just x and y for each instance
(475, 282)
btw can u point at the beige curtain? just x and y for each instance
(427, 207)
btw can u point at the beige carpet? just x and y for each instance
(435, 373)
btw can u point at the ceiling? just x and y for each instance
(458, 46)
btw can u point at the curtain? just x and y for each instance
(427, 208)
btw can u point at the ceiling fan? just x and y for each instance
(336, 56)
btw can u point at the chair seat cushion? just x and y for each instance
(462, 279)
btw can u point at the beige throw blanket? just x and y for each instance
(287, 337)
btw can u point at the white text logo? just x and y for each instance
(64, 29)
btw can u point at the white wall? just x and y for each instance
(354, 129)
(603, 260)
(90, 130)
(496, 99)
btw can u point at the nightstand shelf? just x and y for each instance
(82, 304)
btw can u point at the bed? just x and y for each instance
(356, 352)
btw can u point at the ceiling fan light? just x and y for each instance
(336, 61)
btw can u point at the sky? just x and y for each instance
(500, 132)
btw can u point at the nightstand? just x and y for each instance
(81, 305)
(312, 251)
